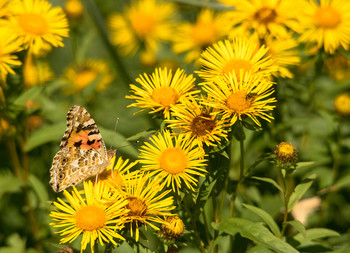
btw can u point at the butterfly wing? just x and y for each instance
(82, 151)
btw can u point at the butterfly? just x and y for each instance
(82, 153)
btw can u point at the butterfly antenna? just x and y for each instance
(115, 129)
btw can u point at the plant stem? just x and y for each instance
(98, 20)
(241, 173)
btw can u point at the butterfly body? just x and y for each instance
(82, 153)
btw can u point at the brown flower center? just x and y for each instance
(202, 124)
(265, 15)
(136, 207)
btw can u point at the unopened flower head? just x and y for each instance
(286, 153)
(342, 104)
(162, 90)
(172, 229)
(74, 9)
(176, 159)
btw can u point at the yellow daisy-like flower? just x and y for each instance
(9, 44)
(327, 24)
(89, 216)
(81, 75)
(36, 73)
(176, 159)
(284, 54)
(245, 96)
(38, 23)
(193, 38)
(120, 175)
(145, 22)
(5, 10)
(241, 54)
(342, 104)
(194, 118)
(338, 67)
(161, 90)
(147, 202)
(266, 17)
(74, 9)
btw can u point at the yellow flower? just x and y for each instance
(161, 90)
(193, 38)
(338, 67)
(146, 203)
(120, 175)
(241, 54)
(235, 97)
(36, 73)
(74, 9)
(38, 23)
(9, 44)
(172, 229)
(89, 216)
(145, 22)
(81, 75)
(342, 104)
(327, 24)
(198, 120)
(5, 10)
(285, 153)
(265, 17)
(176, 159)
(284, 54)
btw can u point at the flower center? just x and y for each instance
(173, 160)
(90, 218)
(142, 23)
(165, 96)
(202, 124)
(327, 17)
(238, 101)
(204, 34)
(84, 77)
(33, 24)
(235, 66)
(265, 15)
(136, 207)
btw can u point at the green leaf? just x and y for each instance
(124, 248)
(266, 217)
(298, 226)
(315, 233)
(39, 188)
(256, 232)
(269, 180)
(9, 183)
(342, 182)
(45, 134)
(304, 164)
(299, 191)
(114, 139)
(30, 94)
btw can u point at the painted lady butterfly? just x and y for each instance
(82, 153)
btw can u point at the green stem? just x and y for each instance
(241, 174)
(98, 20)
(194, 227)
